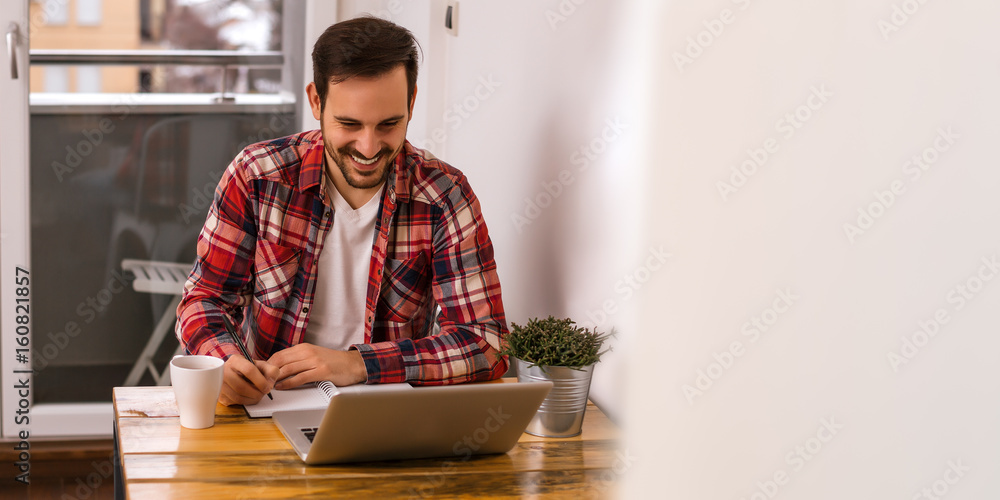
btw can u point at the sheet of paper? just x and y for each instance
(312, 397)
(307, 397)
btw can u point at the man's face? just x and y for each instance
(364, 124)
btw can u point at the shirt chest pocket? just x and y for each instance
(405, 288)
(276, 267)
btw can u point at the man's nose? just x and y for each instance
(368, 143)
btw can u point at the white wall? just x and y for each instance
(825, 361)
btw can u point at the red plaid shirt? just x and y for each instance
(258, 254)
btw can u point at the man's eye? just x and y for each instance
(389, 124)
(350, 124)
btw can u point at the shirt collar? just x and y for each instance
(311, 170)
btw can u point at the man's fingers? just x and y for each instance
(243, 382)
(239, 391)
(296, 380)
(269, 371)
(241, 386)
(229, 397)
(225, 397)
(289, 355)
(290, 370)
(319, 363)
(251, 373)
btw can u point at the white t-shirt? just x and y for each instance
(337, 319)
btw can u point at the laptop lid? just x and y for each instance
(441, 421)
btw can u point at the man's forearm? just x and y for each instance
(200, 329)
(453, 356)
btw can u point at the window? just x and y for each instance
(88, 12)
(246, 27)
(88, 79)
(127, 171)
(56, 79)
(56, 12)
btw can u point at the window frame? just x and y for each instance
(88, 420)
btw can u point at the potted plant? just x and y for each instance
(556, 350)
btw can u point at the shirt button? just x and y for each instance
(305, 309)
(385, 220)
(369, 319)
(326, 215)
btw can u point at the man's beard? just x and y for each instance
(356, 178)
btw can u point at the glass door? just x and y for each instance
(121, 120)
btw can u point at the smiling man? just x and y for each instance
(345, 253)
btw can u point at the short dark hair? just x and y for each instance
(366, 47)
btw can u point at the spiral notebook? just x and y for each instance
(312, 397)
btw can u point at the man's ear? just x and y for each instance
(413, 100)
(314, 101)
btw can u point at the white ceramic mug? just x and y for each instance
(197, 382)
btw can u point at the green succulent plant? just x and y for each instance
(554, 342)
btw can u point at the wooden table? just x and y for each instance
(241, 457)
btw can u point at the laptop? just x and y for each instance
(422, 422)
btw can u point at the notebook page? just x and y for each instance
(357, 388)
(313, 397)
(307, 397)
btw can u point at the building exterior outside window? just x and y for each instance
(88, 12)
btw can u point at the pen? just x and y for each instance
(239, 343)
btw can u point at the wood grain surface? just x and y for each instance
(240, 457)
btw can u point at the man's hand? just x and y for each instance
(304, 363)
(245, 383)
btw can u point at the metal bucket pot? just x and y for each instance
(561, 413)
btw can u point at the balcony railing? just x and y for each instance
(222, 58)
(161, 102)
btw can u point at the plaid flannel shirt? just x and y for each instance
(259, 249)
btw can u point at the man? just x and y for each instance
(334, 248)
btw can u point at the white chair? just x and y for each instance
(157, 277)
